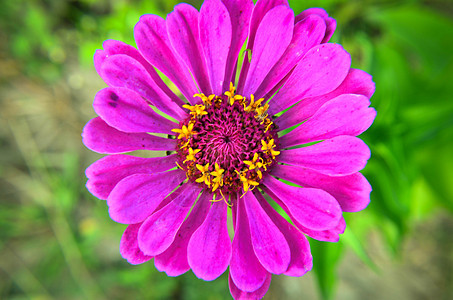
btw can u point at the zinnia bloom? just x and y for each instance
(224, 138)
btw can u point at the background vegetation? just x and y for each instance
(58, 242)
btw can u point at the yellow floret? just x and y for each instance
(204, 174)
(191, 155)
(185, 131)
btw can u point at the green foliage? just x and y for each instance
(57, 241)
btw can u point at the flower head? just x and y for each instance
(230, 141)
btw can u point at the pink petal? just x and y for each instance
(99, 58)
(272, 38)
(259, 11)
(344, 115)
(312, 11)
(307, 34)
(240, 12)
(105, 173)
(101, 138)
(301, 259)
(209, 250)
(313, 208)
(352, 191)
(356, 82)
(246, 271)
(159, 231)
(331, 24)
(129, 246)
(331, 235)
(121, 70)
(341, 155)
(271, 247)
(215, 34)
(136, 197)
(182, 28)
(328, 235)
(127, 111)
(113, 47)
(173, 261)
(243, 295)
(321, 70)
(153, 42)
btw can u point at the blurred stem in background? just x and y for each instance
(57, 241)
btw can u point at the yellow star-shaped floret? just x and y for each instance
(230, 93)
(218, 177)
(261, 112)
(231, 96)
(185, 131)
(268, 147)
(253, 104)
(246, 181)
(196, 110)
(207, 100)
(254, 163)
(191, 155)
(204, 174)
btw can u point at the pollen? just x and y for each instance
(227, 143)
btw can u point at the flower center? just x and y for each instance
(227, 143)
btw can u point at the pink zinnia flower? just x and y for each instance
(226, 149)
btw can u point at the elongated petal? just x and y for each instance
(182, 28)
(243, 295)
(341, 155)
(321, 70)
(240, 12)
(344, 115)
(215, 34)
(129, 246)
(123, 71)
(105, 173)
(152, 40)
(136, 197)
(158, 231)
(307, 34)
(356, 82)
(101, 138)
(352, 192)
(261, 8)
(272, 38)
(127, 111)
(98, 59)
(331, 24)
(301, 259)
(113, 47)
(209, 250)
(269, 244)
(331, 235)
(245, 269)
(173, 261)
(313, 208)
(327, 235)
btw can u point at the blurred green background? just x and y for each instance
(58, 242)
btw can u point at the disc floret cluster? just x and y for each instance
(228, 142)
